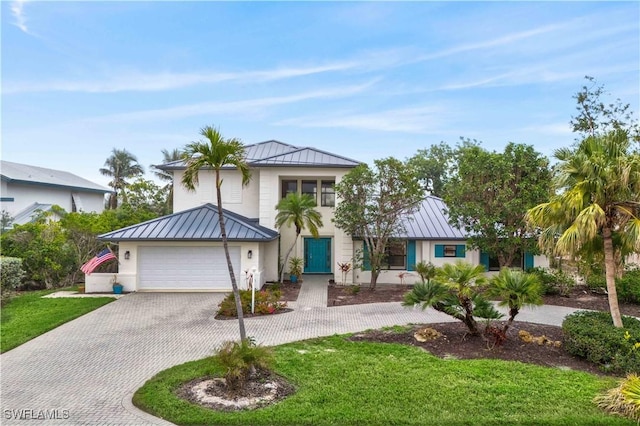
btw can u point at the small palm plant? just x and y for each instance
(455, 291)
(427, 271)
(624, 399)
(242, 360)
(515, 289)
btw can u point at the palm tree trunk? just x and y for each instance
(610, 274)
(234, 285)
(286, 258)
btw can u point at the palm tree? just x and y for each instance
(121, 165)
(600, 184)
(216, 152)
(299, 211)
(163, 175)
(515, 289)
(456, 292)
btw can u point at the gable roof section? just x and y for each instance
(431, 222)
(279, 154)
(32, 175)
(198, 224)
(29, 213)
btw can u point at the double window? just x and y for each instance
(395, 255)
(310, 187)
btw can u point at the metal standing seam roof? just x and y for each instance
(197, 224)
(23, 173)
(431, 222)
(279, 154)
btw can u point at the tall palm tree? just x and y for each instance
(515, 289)
(216, 152)
(165, 176)
(600, 196)
(299, 211)
(120, 166)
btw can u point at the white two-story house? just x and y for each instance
(183, 251)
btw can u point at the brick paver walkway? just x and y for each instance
(85, 371)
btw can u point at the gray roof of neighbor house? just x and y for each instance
(32, 175)
(279, 154)
(431, 222)
(29, 213)
(196, 224)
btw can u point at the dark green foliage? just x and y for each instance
(591, 335)
(266, 303)
(554, 281)
(628, 286)
(242, 359)
(427, 271)
(596, 281)
(11, 276)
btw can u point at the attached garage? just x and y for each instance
(184, 252)
(185, 268)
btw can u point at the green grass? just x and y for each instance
(29, 315)
(357, 383)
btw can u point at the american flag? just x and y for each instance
(104, 256)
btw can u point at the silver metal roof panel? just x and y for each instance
(26, 174)
(197, 224)
(431, 222)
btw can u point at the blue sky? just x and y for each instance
(365, 80)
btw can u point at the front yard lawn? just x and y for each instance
(362, 383)
(29, 315)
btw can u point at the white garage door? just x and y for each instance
(186, 268)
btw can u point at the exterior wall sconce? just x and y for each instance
(127, 255)
(249, 254)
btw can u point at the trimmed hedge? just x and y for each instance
(591, 335)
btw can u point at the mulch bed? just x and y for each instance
(456, 343)
(289, 291)
(340, 295)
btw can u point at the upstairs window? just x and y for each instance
(328, 194)
(289, 186)
(310, 187)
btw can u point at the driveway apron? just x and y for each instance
(85, 371)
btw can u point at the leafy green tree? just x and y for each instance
(489, 193)
(146, 195)
(299, 211)
(515, 289)
(432, 167)
(598, 186)
(166, 176)
(455, 291)
(120, 166)
(216, 152)
(373, 202)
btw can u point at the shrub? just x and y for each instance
(241, 360)
(554, 281)
(596, 281)
(623, 400)
(11, 276)
(628, 287)
(266, 303)
(591, 335)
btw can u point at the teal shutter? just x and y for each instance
(484, 260)
(439, 250)
(461, 250)
(528, 261)
(366, 260)
(411, 255)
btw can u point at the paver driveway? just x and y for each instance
(86, 371)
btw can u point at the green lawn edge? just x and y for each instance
(340, 382)
(28, 315)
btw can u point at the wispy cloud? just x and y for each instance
(17, 10)
(249, 106)
(142, 82)
(419, 119)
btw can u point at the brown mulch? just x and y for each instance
(289, 291)
(583, 298)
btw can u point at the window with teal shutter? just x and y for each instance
(450, 250)
(366, 260)
(484, 260)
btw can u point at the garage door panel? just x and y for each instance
(186, 268)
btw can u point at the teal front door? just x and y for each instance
(317, 255)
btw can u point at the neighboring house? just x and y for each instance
(27, 190)
(429, 237)
(183, 251)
